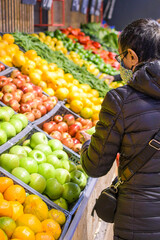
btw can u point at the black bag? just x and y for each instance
(106, 203)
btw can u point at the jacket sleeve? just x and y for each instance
(98, 155)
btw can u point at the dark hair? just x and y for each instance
(143, 37)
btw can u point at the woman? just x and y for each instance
(129, 118)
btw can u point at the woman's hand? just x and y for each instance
(85, 137)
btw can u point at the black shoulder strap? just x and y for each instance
(142, 158)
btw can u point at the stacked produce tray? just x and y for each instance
(50, 204)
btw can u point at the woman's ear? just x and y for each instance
(132, 57)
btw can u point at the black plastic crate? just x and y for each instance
(7, 73)
(27, 135)
(62, 110)
(29, 190)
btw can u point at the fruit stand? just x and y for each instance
(52, 85)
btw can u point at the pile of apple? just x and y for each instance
(44, 166)
(10, 123)
(67, 129)
(24, 97)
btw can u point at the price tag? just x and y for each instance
(75, 5)
(84, 6)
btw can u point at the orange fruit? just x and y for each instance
(52, 66)
(17, 209)
(50, 225)
(42, 67)
(38, 208)
(2, 45)
(96, 108)
(72, 88)
(23, 233)
(87, 102)
(31, 198)
(85, 87)
(74, 96)
(49, 91)
(16, 48)
(2, 52)
(76, 106)
(1, 196)
(94, 100)
(31, 54)
(18, 60)
(62, 93)
(8, 225)
(44, 236)
(5, 208)
(9, 38)
(5, 182)
(3, 236)
(57, 215)
(68, 77)
(35, 77)
(86, 112)
(94, 92)
(15, 193)
(48, 76)
(30, 221)
(95, 116)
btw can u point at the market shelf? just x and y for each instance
(50, 204)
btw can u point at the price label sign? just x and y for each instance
(75, 6)
(84, 6)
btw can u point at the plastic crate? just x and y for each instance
(73, 207)
(7, 73)
(4, 173)
(62, 110)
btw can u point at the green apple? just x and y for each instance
(26, 142)
(60, 154)
(53, 189)
(72, 166)
(38, 138)
(44, 148)
(55, 144)
(22, 118)
(27, 149)
(18, 150)
(9, 129)
(29, 164)
(38, 156)
(9, 110)
(46, 170)
(62, 203)
(79, 167)
(22, 174)
(65, 164)
(79, 178)
(71, 192)
(9, 161)
(3, 137)
(62, 175)
(52, 159)
(4, 115)
(17, 124)
(38, 182)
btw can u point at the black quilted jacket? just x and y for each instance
(129, 118)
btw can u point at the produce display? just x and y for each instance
(2, 67)
(26, 216)
(67, 130)
(24, 97)
(10, 124)
(44, 166)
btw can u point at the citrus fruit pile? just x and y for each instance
(26, 217)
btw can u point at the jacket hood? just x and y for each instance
(147, 79)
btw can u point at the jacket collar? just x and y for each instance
(146, 79)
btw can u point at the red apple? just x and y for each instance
(56, 135)
(2, 67)
(27, 97)
(49, 105)
(54, 99)
(38, 90)
(9, 88)
(69, 119)
(79, 124)
(75, 141)
(44, 97)
(3, 81)
(64, 126)
(73, 129)
(1, 95)
(27, 79)
(33, 104)
(27, 87)
(7, 97)
(17, 82)
(58, 128)
(66, 135)
(77, 147)
(79, 136)
(14, 104)
(88, 124)
(36, 113)
(68, 142)
(82, 121)
(38, 100)
(10, 79)
(58, 118)
(25, 108)
(48, 127)
(30, 116)
(21, 78)
(17, 95)
(43, 109)
(15, 73)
